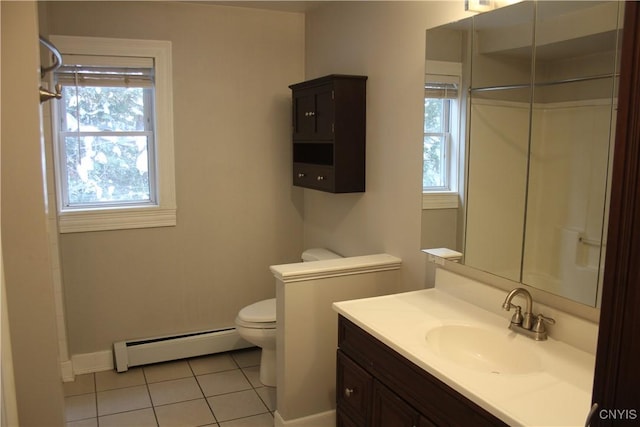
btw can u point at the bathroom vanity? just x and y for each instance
(430, 358)
(376, 386)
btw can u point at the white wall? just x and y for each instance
(28, 281)
(237, 210)
(386, 42)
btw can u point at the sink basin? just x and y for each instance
(484, 350)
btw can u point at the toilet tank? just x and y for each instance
(318, 254)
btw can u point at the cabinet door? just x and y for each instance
(324, 113)
(343, 420)
(313, 114)
(353, 390)
(425, 422)
(390, 410)
(304, 107)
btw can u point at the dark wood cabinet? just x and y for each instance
(378, 387)
(389, 410)
(617, 372)
(329, 126)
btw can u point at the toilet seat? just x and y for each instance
(259, 315)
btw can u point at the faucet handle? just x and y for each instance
(538, 326)
(517, 317)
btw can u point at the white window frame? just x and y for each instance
(163, 212)
(447, 198)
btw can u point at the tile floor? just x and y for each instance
(219, 390)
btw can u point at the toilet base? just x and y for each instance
(268, 367)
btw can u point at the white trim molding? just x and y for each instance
(440, 200)
(325, 419)
(116, 219)
(88, 363)
(302, 271)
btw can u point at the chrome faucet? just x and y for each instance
(525, 323)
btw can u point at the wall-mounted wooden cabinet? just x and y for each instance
(329, 125)
(377, 387)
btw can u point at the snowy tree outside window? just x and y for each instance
(106, 137)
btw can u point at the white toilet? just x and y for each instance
(256, 323)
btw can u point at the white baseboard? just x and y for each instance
(324, 419)
(66, 369)
(88, 363)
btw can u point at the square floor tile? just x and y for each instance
(236, 405)
(138, 418)
(167, 371)
(80, 407)
(83, 384)
(185, 414)
(89, 422)
(247, 357)
(253, 375)
(263, 420)
(223, 382)
(175, 391)
(109, 380)
(213, 363)
(123, 399)
(268, 396)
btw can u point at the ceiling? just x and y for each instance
(284, 6)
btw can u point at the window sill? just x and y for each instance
(115, 219)
(440, 200)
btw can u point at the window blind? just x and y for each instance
(109, 71)
(441, 86)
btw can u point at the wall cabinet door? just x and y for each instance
(313, 113)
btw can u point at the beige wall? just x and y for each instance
(29, 286)
(439, 229)
(385, 41)
(308, 338)
(237, 210)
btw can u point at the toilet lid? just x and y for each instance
(259, 312)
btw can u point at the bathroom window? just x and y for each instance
(113, 145)
(440, 144)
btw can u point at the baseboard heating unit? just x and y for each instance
(127, 354)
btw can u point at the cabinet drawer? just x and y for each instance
(313, 176)
(353, 389)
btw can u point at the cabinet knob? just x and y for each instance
(348, 392)
(301, 175)
(309, 113)
(320, 178)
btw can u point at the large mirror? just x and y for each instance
(529, 92)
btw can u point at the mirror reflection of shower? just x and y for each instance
(539, 84)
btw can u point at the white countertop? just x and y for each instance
(557, 395)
